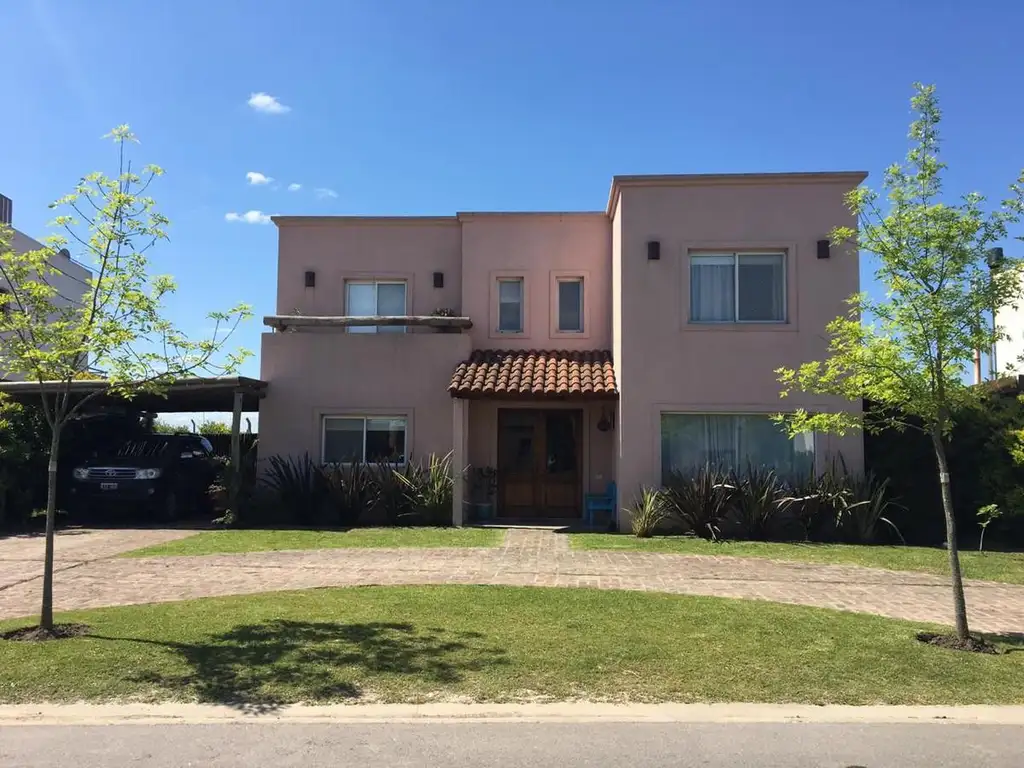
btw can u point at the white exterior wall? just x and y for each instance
(1008, 351)
(70, 280)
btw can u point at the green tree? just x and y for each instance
(163, 428)
(914, 348)
(214, 428)
(116, 325)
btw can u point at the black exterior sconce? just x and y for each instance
(607, 421)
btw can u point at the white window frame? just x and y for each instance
(558, 304)
(736, 431)
(735, 256)
(375, 284)
(364, 418)
(522, 305)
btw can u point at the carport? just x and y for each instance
(227, 394)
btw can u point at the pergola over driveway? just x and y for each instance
(229, 394)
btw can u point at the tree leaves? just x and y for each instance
(910, 349)
(116, 324)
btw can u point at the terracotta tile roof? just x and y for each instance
(535, 373)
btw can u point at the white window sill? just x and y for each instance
(733, 327)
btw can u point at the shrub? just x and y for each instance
(700, 502)
(866, 504)
(647, 512)
(758, 505)
(814, 505)
(986, 467)
(429, 492)
(298, 490)
(391, 503)
(298, 486)
(248, 488)
(350, 491)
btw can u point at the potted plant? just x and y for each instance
(445, 312)
(483, 486)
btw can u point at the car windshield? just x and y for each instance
(147, 446)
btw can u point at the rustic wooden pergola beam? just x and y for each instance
(283, 322)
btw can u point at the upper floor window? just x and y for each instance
(570, 305)
(510, 305)
(738, 288)
(375, 298)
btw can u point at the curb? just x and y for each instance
(572, 712)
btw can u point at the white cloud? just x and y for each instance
(264, 102)
(255, 177)
(249, 217)
(324, 192)
(294, 187)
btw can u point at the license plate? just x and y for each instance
(108, 486)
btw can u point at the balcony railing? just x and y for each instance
(297, 322)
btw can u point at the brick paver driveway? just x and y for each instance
(89, 576)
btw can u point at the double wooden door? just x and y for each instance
(540, 469)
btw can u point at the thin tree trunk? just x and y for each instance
(46, 612)
(959, 602)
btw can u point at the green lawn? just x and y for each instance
(990, 566)
(236, 540)
(414, 644)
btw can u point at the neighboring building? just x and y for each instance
(1007, 355)
(607, 346)
(70, 278)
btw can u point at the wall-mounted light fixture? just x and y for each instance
(607, 421)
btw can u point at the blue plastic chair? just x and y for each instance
(599, 502)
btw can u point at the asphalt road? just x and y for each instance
(514, 745)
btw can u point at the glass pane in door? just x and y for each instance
(518, 437)
(561, 443)
(561, 479)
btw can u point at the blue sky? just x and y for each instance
(433, 106)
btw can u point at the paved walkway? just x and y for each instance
(89, 576)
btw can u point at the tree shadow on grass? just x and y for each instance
(1013, 642)
(260, 667)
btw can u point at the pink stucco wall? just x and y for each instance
(540, 248)
(353, 248)
(636, 307)
(667, 364)
(312, 375)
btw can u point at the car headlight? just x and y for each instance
(80, 473)
(147, 474)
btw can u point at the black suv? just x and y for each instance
(168, 475)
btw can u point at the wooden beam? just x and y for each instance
(282, 322)
(236, 453)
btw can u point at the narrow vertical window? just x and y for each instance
(510, 305)
(570, 305)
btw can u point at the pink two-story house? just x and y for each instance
(585, 349)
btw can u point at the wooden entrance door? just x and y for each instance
(540, 463)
